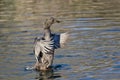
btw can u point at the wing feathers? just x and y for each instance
(63, 38)
(45, 46)
(49, 46)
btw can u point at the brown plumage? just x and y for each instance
(45, 46)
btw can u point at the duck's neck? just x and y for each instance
(47, 34)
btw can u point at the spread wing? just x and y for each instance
(63, 38)
(47, 47)
(60, 40)
(43, 47)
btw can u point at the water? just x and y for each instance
(92, 52)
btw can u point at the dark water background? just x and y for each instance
(93, 50)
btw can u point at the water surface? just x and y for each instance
(92, 52)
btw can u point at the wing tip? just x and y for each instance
(64, 38)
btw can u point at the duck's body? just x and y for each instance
(45, 46)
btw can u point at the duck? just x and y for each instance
(45, 46)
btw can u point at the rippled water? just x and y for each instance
(93, 50)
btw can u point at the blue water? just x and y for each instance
(92, 51)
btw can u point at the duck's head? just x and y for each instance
(50, 21)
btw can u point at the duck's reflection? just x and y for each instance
(47, 75)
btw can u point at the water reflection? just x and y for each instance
(47, 75)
